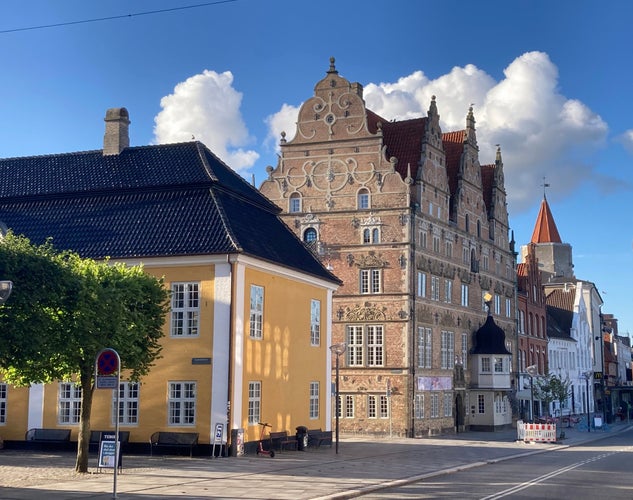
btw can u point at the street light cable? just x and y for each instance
(110, 18)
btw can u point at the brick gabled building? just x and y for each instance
(532, 326)
(417, 229)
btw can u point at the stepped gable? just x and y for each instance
(545, 230)
(453, 143)
(487, 180)
(490, 339)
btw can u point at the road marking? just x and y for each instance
(545, 477)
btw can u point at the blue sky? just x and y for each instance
(550, 82)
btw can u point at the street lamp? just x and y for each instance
(587, 375)
(5, 290)
(337, 349)
(532, 371)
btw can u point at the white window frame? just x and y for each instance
(508, 308)
(419, 406)
(375, 335)
(435, 405)
(464, 295)
(383, 408)
(4, 392)
(314, 400)
(256, 323)
(185, 309)
(485, 365)
(421, 284)
(435, 288)
(294, 203)
(372, 404)
(370, 281)
(425, 347)
(254, 402)
(465, 350)
(181, 403)
(69, 408)
(128, 411)
(346, 406)
(365, 345)
(448, 404)
(363, 200)
(315, 322)
(447, 350)
(354, 353)
(448, 291)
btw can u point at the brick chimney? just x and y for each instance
(117, 136)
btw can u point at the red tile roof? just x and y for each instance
(545, 230)
(404, 141)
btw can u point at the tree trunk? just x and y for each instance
(83, 441)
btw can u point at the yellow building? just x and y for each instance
(247, 336)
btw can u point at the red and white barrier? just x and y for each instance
(536, 433)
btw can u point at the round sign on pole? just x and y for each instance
(107, 362)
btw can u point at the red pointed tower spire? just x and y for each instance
(545, 230)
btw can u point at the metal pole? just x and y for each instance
(337, 402)
(532, 399)
(587, 394)
(117, 451)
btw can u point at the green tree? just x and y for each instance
(65, 309)
(553, 388)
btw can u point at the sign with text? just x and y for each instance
(108, 454)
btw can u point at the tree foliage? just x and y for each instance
(65, 309)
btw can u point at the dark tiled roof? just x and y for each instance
(559, 323)
(490, 339)
(560, 314)
(166, 200)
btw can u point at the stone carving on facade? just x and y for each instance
(365, 312)
(371, 261)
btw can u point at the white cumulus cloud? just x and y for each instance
(626, 139)
(542, 133)
(207, 107)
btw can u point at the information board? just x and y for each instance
(107, 454)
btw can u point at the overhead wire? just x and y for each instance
(122, 16)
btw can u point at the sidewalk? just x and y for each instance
(362, 465)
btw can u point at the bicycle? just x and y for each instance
(260, 446)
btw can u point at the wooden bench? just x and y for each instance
(48, 435)
(173, 440)
(318, 437)
(281, 440)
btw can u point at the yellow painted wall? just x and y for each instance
(17, 414)
(174, 365)
(283, 360)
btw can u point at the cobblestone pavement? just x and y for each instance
(363, 464)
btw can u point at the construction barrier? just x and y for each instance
(536, 433)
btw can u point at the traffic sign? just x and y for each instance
(107, 362)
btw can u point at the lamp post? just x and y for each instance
(337, 349)
(532, 371)
(587, 375)
(5, 290)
